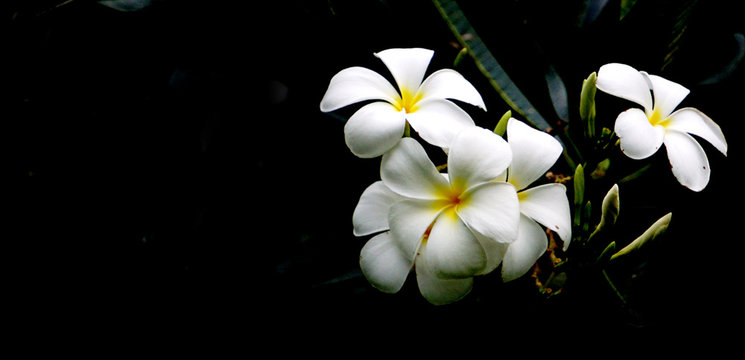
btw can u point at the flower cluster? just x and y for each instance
(449, 227)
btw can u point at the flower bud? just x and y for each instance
(501, 128)
(610, 208)
(587, 105)
(654, 231)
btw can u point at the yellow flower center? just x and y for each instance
(408, 101)
(657, 119)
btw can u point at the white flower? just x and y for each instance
(450, 227)
(533, 153)
(377, 127)
(643, 132)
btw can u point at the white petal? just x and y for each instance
(494, 253)
(407, 66)
(476, 156)
(371, 214)
(356, 84)
(693, 121)
(639, 139)
(449, 84)
(548, 205)
(438, 121)
(383, 263)
(531, 243)
(667, 94)
(436, 290)
(625, 82)
(374, 129)
(491, 210)
(409, 219)
(687, 160)
(453, 252)
(533, 153)
(407, 170)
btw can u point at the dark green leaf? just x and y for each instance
(488, 64)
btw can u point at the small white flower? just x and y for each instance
(533, 153)
(643, 132)
(377, 127)
(450, 227)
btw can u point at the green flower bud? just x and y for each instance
(654, 231)
(587, 105)
(501, 128)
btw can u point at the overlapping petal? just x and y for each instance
(371, 214)
(374, 129)
(407, 170)
(356, 84)
(625, 82)
(476, 156)
(639, 139)
(667, 94)
(693, 121)
(436, 290)
(437, 121)
(533, 153)
(407, 66)
(531, 243)
(383, 263)
(453, 252)
(409, 220)
(491, 210)
(548, 205)
(449, 84)
(687, 160)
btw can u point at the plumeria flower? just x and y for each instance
(449, 227)
(377, 127)
(642, 132)
(533, 153)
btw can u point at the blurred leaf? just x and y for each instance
(730, 68)
(592, 10)
(558, 92)
(487, 63)
(126, 5)
(683, 10)
(600, 170)
(626, 6)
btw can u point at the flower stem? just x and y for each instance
(614, 288)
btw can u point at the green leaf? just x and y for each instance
(488, 64)
(558, 93)
(626, 6)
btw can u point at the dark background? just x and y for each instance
(170, 169)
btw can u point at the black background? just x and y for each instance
(170, 170)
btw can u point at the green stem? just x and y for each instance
(614, 288)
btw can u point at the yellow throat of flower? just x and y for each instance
(408, 101)
(656, 118)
